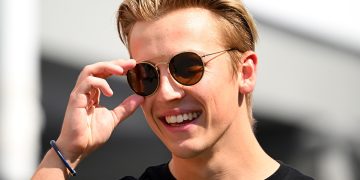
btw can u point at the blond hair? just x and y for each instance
(237, 25)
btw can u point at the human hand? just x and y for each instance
(87, 124)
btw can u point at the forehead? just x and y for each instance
(194, 29)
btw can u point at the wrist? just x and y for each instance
(70, 154)
(62, 158)
(51, 167)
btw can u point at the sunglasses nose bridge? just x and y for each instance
(161, 63)
(167, 82)
(158, 68)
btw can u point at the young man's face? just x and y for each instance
(212, 102)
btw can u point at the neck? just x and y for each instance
(237, 155)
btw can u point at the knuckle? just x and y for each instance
(88, 80)
(87, 68)
(73, 97)
(93, 81)
(73, 94)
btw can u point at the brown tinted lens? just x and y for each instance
(143, 79)
(187, 68)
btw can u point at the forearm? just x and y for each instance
(51, 167)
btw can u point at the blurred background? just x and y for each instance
(306, 101)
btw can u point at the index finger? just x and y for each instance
(106, 69)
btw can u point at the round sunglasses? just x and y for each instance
(187, 68)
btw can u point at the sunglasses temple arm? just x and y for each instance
(230, 49)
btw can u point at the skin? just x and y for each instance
(87, 125)
(205, 148)
(219, 144)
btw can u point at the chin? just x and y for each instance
(187, 150)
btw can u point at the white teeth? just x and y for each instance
(172, 119)
(181, 117)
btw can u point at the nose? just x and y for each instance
(168, 89)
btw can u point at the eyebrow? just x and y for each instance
(168, 57)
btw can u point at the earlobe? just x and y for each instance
(247, 72)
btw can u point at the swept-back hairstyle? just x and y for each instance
(237, 25)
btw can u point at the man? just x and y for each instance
(193, 69)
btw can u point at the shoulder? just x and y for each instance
(286, 172)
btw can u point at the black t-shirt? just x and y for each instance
(162, 172)
(285, 172)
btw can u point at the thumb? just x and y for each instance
(126, 108)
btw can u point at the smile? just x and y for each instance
(174, 120)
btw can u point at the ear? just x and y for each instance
(247, 72)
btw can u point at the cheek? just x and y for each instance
(149, 118)
(220, 91)
(146, 108)
(220, 83)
